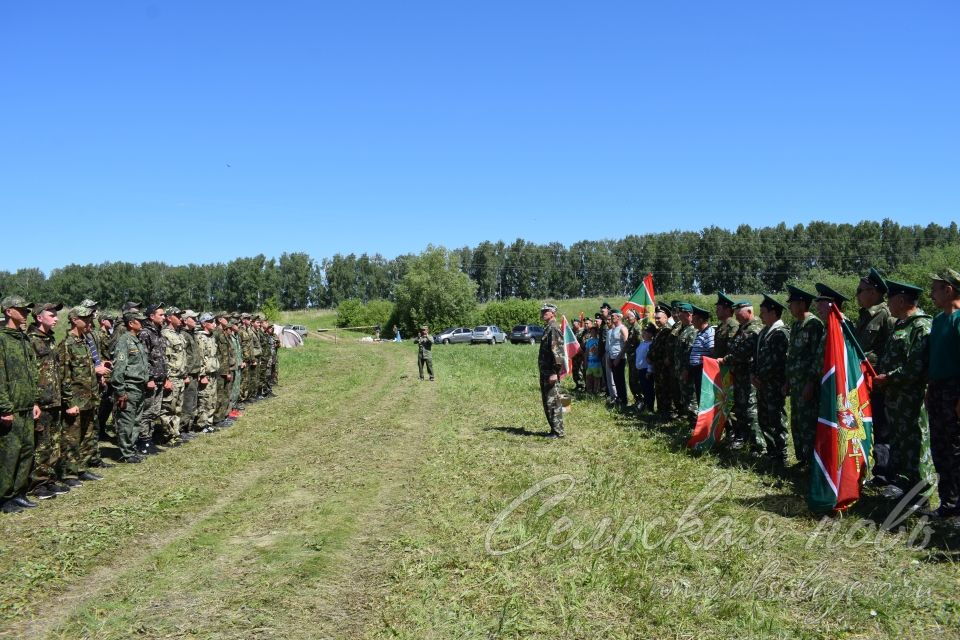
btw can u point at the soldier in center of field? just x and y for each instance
(424, 351)
(743, 348)
(769, 378)
(549, 362)
(803, 371)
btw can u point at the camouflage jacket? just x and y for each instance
(208, 350)
(661, 350)
(723, 336)
(770, 362)
(681, 349)
(175, 352)
(803, 358)
(18, 375)
(551, 356)
(906, 355)
(246, 344)
(192, 351)
(874, 326)
(236, 351)
(102, 339)
(80, 387)
(131, 370)
(424, 346)
(223, 351)
(634, 338)
(156, 347)
(48, 367)
(743, 347)
(265, 347)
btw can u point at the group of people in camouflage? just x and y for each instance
(915, 399)
(160, 376)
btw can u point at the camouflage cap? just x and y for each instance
(153, 307)
(81, 311)
(89, 304)
(130, 304)
(133, 314)
(949, 276)
(235, 315)
(771, 303)
(244, 316)
(40, 307)
(548, 307)
(258, 316)
(189, 313)
(796, 294)
(826, 293)
(875, 280)
(206, 317)
(15, 302)
(173, 311)
(896, 288)
(724, 300)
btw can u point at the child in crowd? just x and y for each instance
(594, 371)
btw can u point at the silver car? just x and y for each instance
(455, 335)
(489, 333)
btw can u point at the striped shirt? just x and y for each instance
(702, 346)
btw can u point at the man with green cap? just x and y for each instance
(727, 325)
(18, 406)
(769, 378)
(209, 374)
(675, 364)
(661, 356)
(873, 327)
(743, 349)
(702, 347)
(943, 392)
(48, 428)
(188, 413)
(902, 377)
(681, 361)
(80, 395)
(154, 344)
(131, 372)
(225, 372)
(550, 362)
(175, 355)
(803, 370)
(424, 351)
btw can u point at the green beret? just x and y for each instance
(700, 311)
(684, 306)
(796, 294)
(723, 299)
(675, 304)
(875, 280)
(894, 288)
(742, 304)
(949, 276)
(826, 293)
(771, 303)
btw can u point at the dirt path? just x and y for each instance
(310, 524)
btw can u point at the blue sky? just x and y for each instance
(185, 131)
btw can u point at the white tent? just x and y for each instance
(288, 337)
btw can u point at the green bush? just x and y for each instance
(353, 313)
(433, 292)
(509, 313)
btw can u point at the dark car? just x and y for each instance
(531, 333)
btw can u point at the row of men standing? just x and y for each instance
(163, 375)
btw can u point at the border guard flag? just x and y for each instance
(716, 403)
(571, 347)
(642, 300)
(844, 435)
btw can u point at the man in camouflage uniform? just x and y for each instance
(803, 370)
(873, 328)
(209, 375)
(550, 362)
(261, 331)
(274, 342)
(115, 336)
(902, 376)
(131, 373)
(188, 412)
(155, 345)
(102, 337)
(95, 338)
(681, 362)
(943, 392)
(676, 392)
(634, 338)
(80, 395)
(236, 364)
(249, 359)
(47, 433)
(743, 348)
(18, 406)
(770, 378)
(727, 325)
(661, 356)
(224, 373)
(579, 362)
(424, 351)
(175, 355)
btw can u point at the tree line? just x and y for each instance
(746, 259)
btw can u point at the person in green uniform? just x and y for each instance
(803, 370)
(681, 363)
(424, 351)
(661, 355)
(131, 372)
(47, 433)
(549, 364)
(743, 348)
(80, 395)
(727, 325)
(769, 379)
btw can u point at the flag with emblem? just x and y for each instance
(642, 301)
(844, 436)
(571, 347)
(716, 403)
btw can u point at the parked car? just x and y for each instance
(298, 328)
(454, 335)
(489, 333)
(531, 333)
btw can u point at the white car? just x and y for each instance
(489, 333)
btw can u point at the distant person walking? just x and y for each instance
(396, 334)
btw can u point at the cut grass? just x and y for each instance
(360, 504)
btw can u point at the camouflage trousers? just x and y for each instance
(676, 392)
(262, 382)
(47, 433)
(690, 390)
(188, 414)
(171, 407)
(425, 362)
(772, 420)
(550, 396)
(126, 423)
(745, 425)
(578, 364)
(150, 410)
(248, 389)
(274, 372)
(79, 442)
(235, 385)
(661, 389)
(223, 398)
(16, 454)
(803, 422)
(633, 380)
(910, 460)
(207, 402)
(942, 397)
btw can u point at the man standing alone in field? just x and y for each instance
(424, 351)
(550, 361)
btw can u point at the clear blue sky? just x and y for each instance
(385, 126)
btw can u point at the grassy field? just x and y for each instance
(363, 503)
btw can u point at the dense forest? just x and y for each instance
(743, 260)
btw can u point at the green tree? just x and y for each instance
(434, 292)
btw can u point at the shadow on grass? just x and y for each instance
(517, 431)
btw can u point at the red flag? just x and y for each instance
(716, 403)
(571, 347)
(642, 300)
